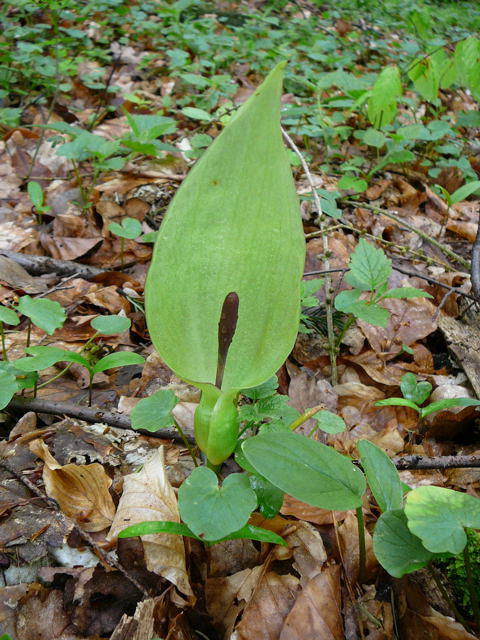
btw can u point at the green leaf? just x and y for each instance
(395, 547)
(349, 302)
(249, 532)
(397, 402)
(35, 193)
(269, 497)
(118, 359)
(154, 412)
(382, 105)
(369, 267)
(110, 325)
(329, 422)
(274, 407)
(130, 228)
(8, 316)
(462, 194)
(448, 403)
(236, 217)
(382, 476)
(213, 512)
(25, 379)
(413, 390)
(46, 314)
(307, 470)
(196, 114)
(438, 517)
(467, 60)
(350, 183)
(373, 138)
(8, 388)
(44, 357)
(406, 292)
(426, 78)
(264, 390)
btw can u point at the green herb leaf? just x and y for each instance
(269, 497)
(118, 359)
(264, 390)
(397, 402)
(306, 469)
(213, 512)
(406, 292)
(463, 192)
(438, 517)
(382, 105)
(349, 302)
(130, 228)
(44, 357)
(413, 390)
(235, 216)
(8, 387)
(329, 422)
(369, 267)
(110, 325)
(395, 547)
(196, 114)
(351, 183)
(154, 412)
(35, 193)
(46, 314)
(8, 316)
(382, 476)
(448, 403)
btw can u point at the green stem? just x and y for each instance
(55, 377)
(306, 416)
(186, 443)
(4, 350)
(214, 467)
(471, 587)
(362, 556)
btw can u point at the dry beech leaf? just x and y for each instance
(302, 511)
(348, 538)
(148, 495)
(306, 546)
(271, 602)
(317, 612)
(80, 490)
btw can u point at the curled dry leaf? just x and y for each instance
(148, 495)
(80, 490)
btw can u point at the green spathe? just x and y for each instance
(234, 226)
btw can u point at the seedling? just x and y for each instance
(416, 393)
(35, 193)
(49, 315)
(44, 357)
(129, 229)
(457, 196)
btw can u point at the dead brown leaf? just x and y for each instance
(147, 496)
(80, 490)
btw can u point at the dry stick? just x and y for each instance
(445, 250)
(89, 414)
(475, 272)
(332, 349)
(41, 265)
(83, 534)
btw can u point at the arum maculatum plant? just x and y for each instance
(223, 291)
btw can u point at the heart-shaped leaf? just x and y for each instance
(130, 228)
(154, 412)
(118, 359)
(438, 517)
(329, 422)
(46, 314)
(395, 547)
(110, 325)
(382, 476)
(236, 217)
(415, 391)
(44, 357)
(213, 512)
(307, 470)
(8, 387)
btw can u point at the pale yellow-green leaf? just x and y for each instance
(234, 225)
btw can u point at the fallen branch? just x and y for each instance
(89, 414)
(405, 463)
(41, 265)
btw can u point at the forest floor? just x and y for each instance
(105, 106)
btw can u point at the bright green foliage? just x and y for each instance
(269, 497)
(329, 422)
(382, 476)
(306, 469)
(110, 325)
(369, 272)
(8, 387)
(130, 228)
(467, 59)
(8, 316)
(164, 526)
(200, 496)
(154, 412)
(46, 314)
(35, 194)
(117, 359)
(236, 216)
(415, 393)
(382, 105)
(395, 547)
(438, 517)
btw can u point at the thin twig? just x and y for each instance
(326, 258)
(445, 250)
